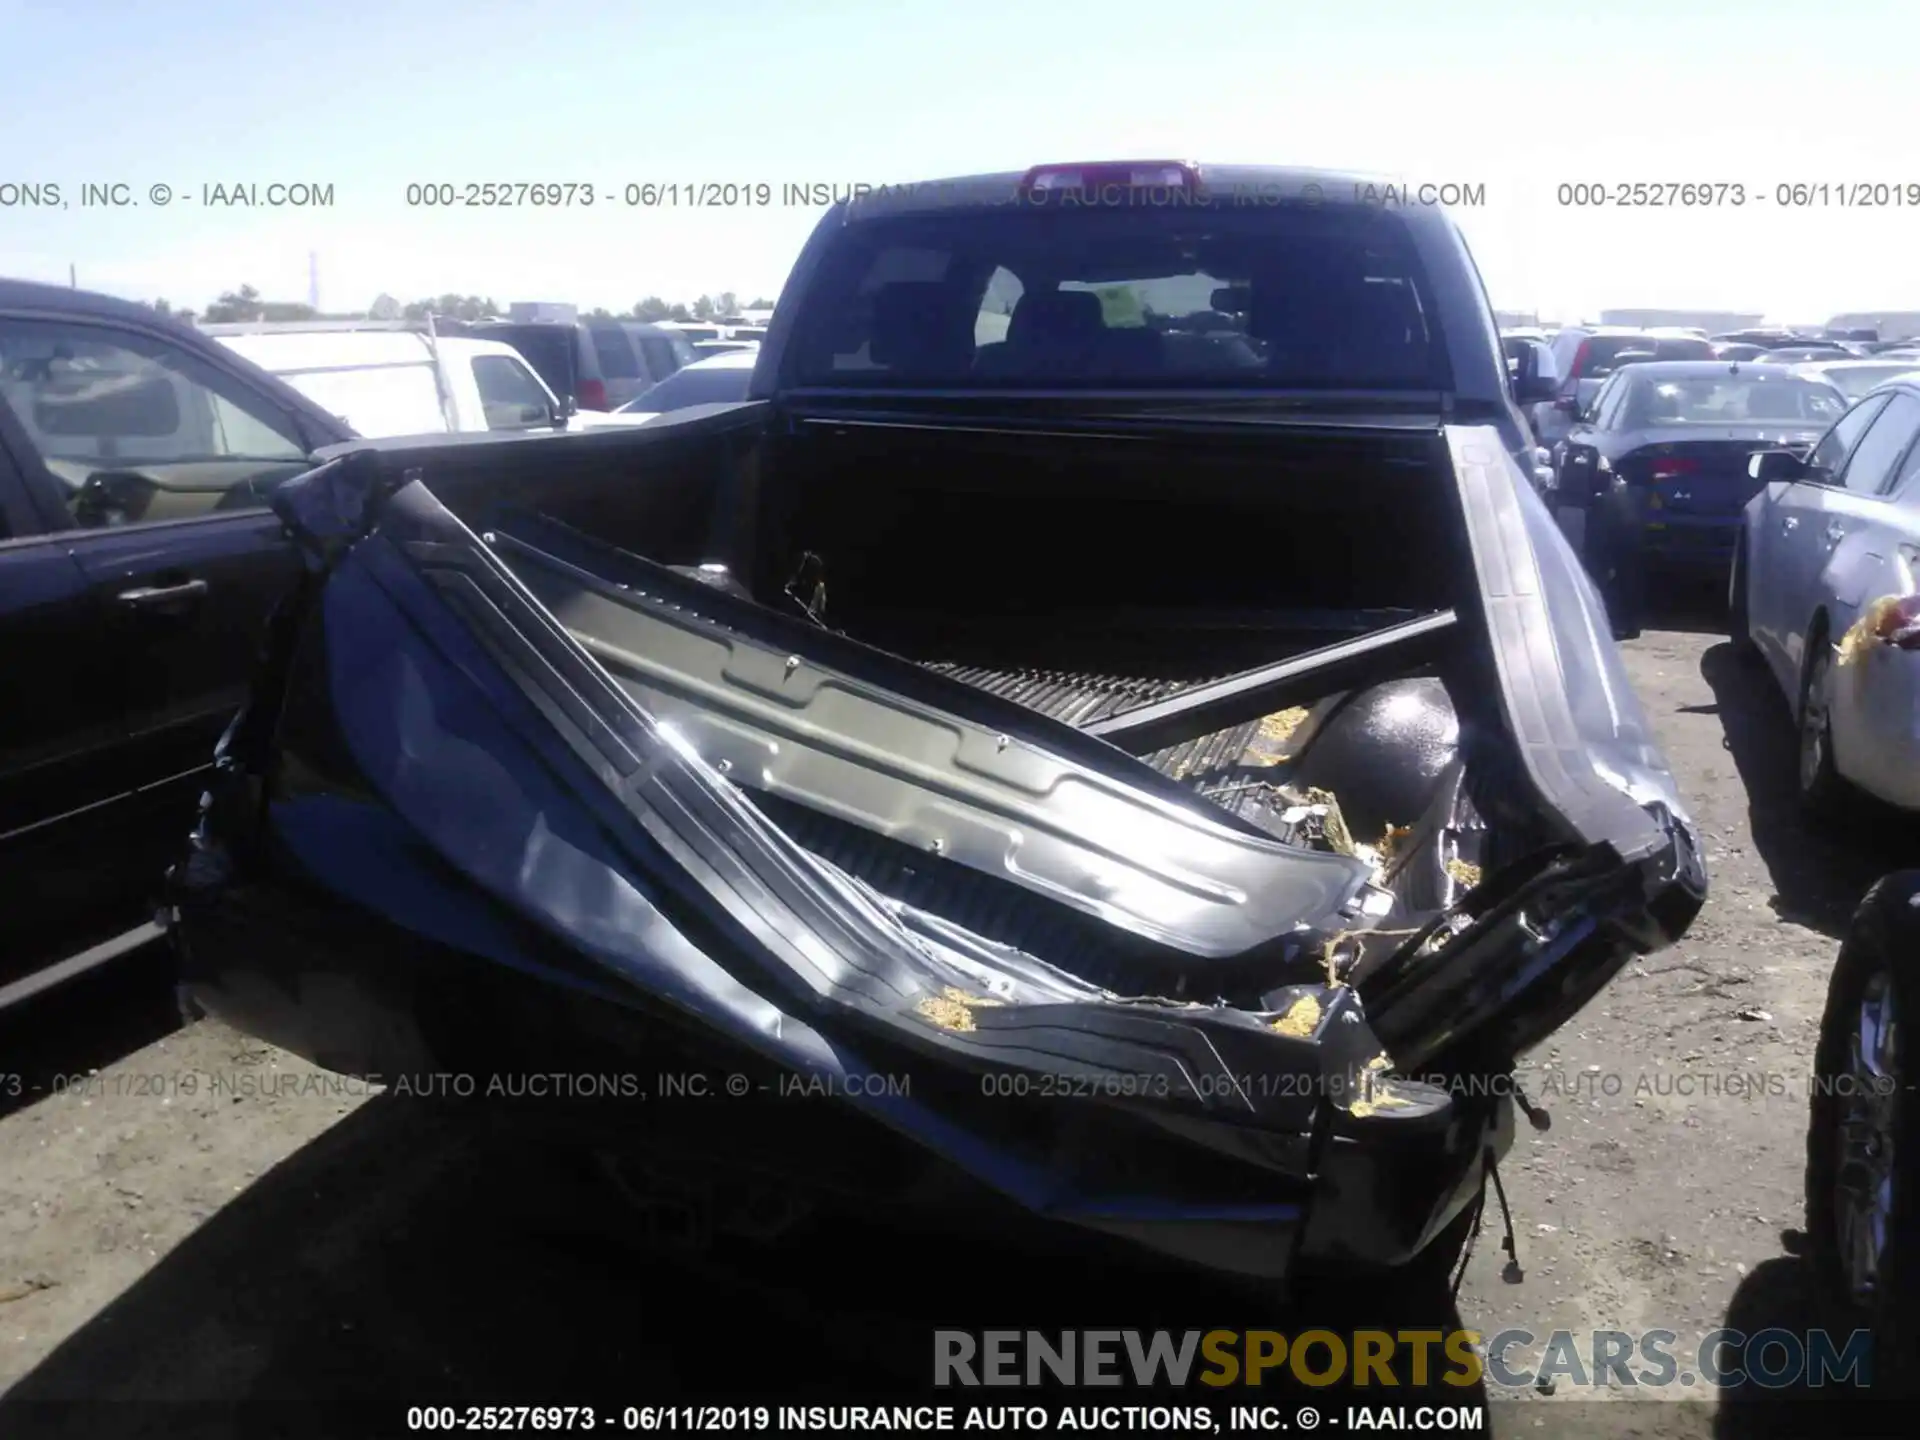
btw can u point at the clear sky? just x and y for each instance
(369, 97)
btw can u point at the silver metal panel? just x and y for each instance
(942, 784)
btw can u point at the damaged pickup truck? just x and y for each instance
(1110, 714)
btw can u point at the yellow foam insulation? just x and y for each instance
(1877, 622)
(1389, 843)
(1269, 745)
(1380, 1100)
(1282, 723)
(1464, 872)
(952, 1009)
(1302, 1018)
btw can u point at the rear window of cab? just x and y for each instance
(1327, 297)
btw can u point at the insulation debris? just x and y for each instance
(1465, 873)
(1322, 808)
(1302, 1018)
(1379, 1099)
(1333, 959)
(1389, 843)
(1270, 739)
(1890, 620)
(952, 1009)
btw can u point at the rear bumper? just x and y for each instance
(1695, 542)
(501, 1016)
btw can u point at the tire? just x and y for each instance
(1825, 797)
(1627, 598)
(1739, 623)
(1863, 1131)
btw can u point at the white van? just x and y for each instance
(398, 378)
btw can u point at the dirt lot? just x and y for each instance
(207, 1220)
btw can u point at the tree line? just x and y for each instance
(246, 305)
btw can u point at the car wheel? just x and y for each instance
(1824, 795)
(1863, 1135)
(1739, 626)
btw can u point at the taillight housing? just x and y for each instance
(1579, 366)
(593, 395)
(1669, 467)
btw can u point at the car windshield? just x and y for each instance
(696, 385)
(1731, 400)
(1158, 296)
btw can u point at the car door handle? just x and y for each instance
(1834, 532)
(164, 597)
(1789, 523)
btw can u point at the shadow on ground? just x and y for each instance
(88, 1023)
(1781, 1295)
(1817, 878)
(406, 1258)
(1695, 604)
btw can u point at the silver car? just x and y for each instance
(1824, 588)
(1856, 378)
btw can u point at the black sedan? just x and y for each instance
(1654, 472)
(138, 562)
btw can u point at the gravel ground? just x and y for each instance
(260, 1237)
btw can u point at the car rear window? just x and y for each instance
(618, 359)
(1731, 400)
(1207, 295)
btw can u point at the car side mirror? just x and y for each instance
(1777, 466)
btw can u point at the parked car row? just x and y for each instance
(1791, 464)
(596, 365)
(385, 378)
(400, 379)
